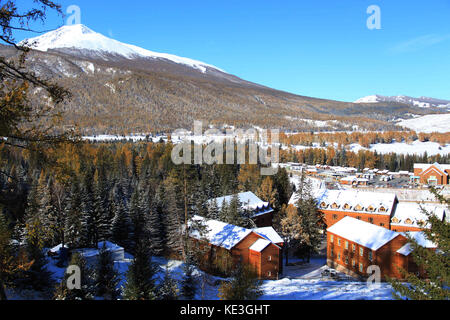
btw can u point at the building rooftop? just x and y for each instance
(220, 234)
(411, 214)
(260, 245)
(358, 201)
(249, 202)
(421, 239)
(365, 234)
(270, 234)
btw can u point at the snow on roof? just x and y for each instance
(91, 252)
(57, 248)
(363, 233)
(260, 245)
(318, 188)
(270, 234)
(354, 198)
(421, 239)
(220, 233)
(249, 202)
(426, 166)
(411, 213)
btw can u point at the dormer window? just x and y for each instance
(408, 221)
(358, 208)
(371, 209)
(323, 205)
(395, 220)
(335, 206)
(382, 209)
(347, 206)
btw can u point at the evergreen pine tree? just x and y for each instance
(107, 277)
(188, 283)
(433, 263)
(168, 288)
(213, 210)
(155, 225)
(87, 282)
(140, 283)
(102, 211)
(73, 216)
(244, 285)
(121, 225)
(89, 230)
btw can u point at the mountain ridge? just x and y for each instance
(115, 94)
(421, 102)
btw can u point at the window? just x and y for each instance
(353, 264)
(361, 252)
(346, 260)
(370, 255)
(331, 252)
(269, 274)
(339, 242)
(371, 220)
(381, 224)
(331, 238)
(358, 217)
(361, 267)
(354, 248)
(339, 256)
(335, 216)
(346, 245)
(270, 258)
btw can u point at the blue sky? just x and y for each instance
(314, 48)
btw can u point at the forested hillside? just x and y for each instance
(126, 96)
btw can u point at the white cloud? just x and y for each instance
(419, 43)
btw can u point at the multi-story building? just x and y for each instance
(354, 245)
(260, 248)
(431, 174)
(375, 208)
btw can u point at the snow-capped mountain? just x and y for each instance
(421, 102)
(95, 45)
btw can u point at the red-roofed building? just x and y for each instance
(354, 245)
(260, 248)
(432, 174)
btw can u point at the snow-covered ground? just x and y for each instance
(417, 148)
(428, 124)
(299, 282)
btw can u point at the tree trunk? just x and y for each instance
(287, 254)
(3, 296)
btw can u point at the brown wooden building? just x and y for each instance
(372, 207)
(432, 174)
(380, 209)
(261, 248)
(354, 245)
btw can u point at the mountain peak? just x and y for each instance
(421, 102)
(80, 37)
